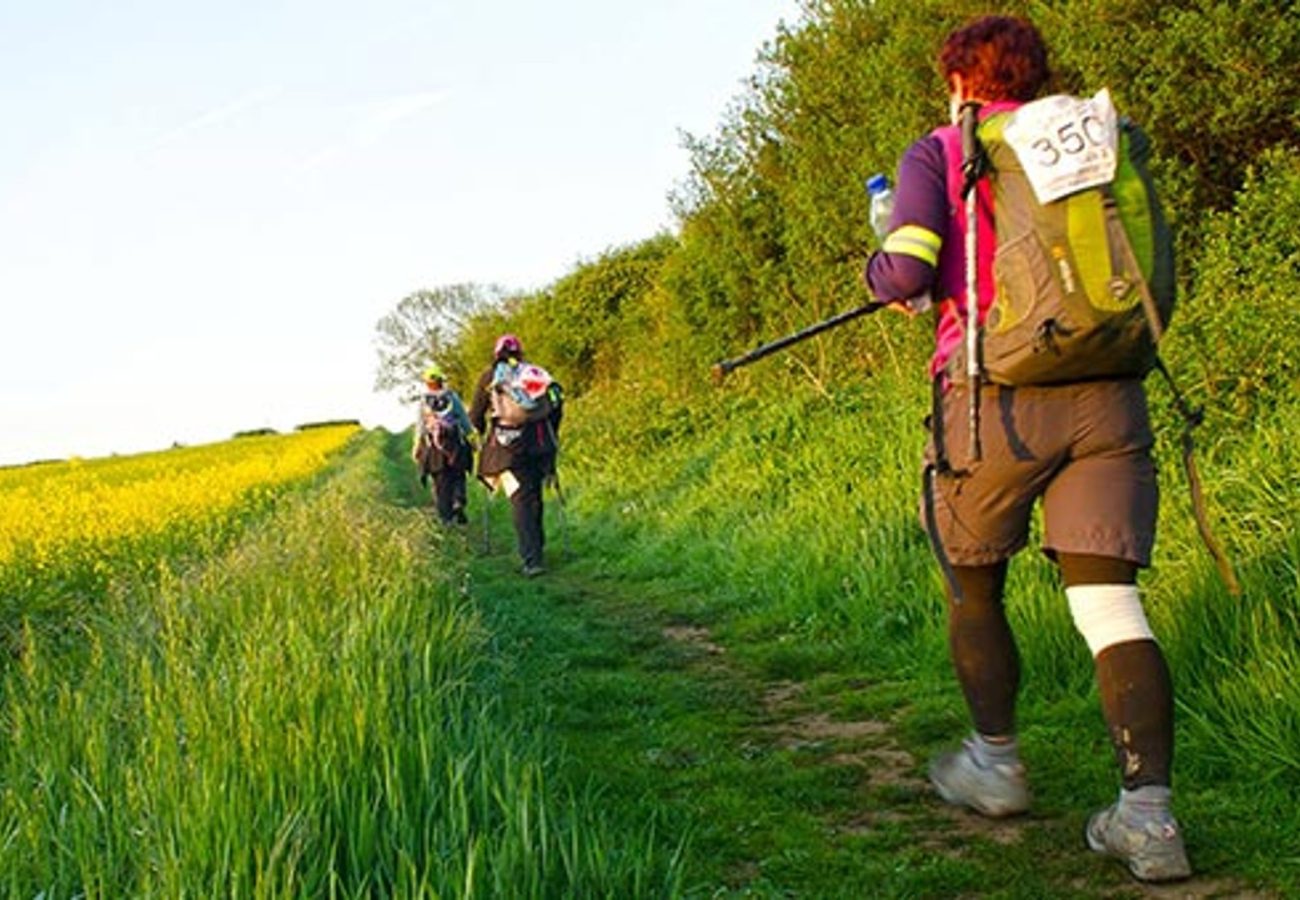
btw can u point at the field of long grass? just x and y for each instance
(302, 708)
(288, 688)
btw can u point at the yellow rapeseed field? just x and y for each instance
(48, 509)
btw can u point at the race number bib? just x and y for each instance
(1065, 144)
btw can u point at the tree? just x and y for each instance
(424, 328)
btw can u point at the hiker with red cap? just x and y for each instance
(517, 408)
(1031, 226)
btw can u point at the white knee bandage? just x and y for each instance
(1108, 614)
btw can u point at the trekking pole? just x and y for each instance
(564, 513)
(724, 367)
(972, 164)
(554, 479)
(1192, 418)
(487, 533)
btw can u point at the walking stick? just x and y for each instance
(723, 368)
(554, 479)
(973, 165)
(564, 514)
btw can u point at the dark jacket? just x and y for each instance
(508, 448)
(430, 458)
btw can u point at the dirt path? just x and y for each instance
(871, 748)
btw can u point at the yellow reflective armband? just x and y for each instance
(913, 240)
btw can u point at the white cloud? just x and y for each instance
(385, 114)
(223, 113)
(374, 121)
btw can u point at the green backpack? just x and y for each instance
(1084, 276)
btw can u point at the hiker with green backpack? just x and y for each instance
(1042, 210)
(517, 408)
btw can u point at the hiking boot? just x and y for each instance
(532, 570)
(1149, 842)
(995, 790)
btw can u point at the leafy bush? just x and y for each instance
(327, 423)
(1241, 320)
(584, 321)
(1213, 85)
(773, 218)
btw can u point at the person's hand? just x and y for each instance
(912, 306)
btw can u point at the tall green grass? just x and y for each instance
(799, 519)
(307, 712)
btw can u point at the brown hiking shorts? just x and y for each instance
(1085, 449)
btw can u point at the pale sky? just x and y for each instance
(205, 207)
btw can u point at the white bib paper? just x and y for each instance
(1065, 144)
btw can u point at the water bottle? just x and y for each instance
(882, 207)
(882, 204)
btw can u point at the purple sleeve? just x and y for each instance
(920, 198)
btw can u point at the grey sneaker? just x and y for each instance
(532, 570)
(1150, 844)
(995, 791)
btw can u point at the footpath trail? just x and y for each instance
(777, 788)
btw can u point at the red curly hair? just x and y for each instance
(998, 58)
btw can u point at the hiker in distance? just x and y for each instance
(1039, 417)
(517, 408)
(442, 449)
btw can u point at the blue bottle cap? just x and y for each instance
(877, 184)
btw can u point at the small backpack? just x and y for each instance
(1084, 263)
(442, 427)
(521, 392)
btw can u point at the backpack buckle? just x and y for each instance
(1045, 336)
